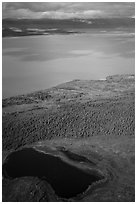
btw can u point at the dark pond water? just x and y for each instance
(66, 180)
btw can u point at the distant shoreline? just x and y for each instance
(113, 78)
(45, 33)
(24, 36)
(72, 33)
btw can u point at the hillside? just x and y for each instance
(27, 27)
(93, 118)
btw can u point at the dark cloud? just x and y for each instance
(67, 9)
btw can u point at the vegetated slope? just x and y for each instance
(30, 188)
(78, 109)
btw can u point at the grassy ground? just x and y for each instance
(92, 118)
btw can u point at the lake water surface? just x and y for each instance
(39, 62)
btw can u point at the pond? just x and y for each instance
(66, 180)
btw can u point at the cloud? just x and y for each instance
(22, 13)
(67, 10)
(68, 15)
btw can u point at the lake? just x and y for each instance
(39, 62)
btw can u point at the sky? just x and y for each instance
(68, 10)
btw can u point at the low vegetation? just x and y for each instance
(90, 121)
(75, 113)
